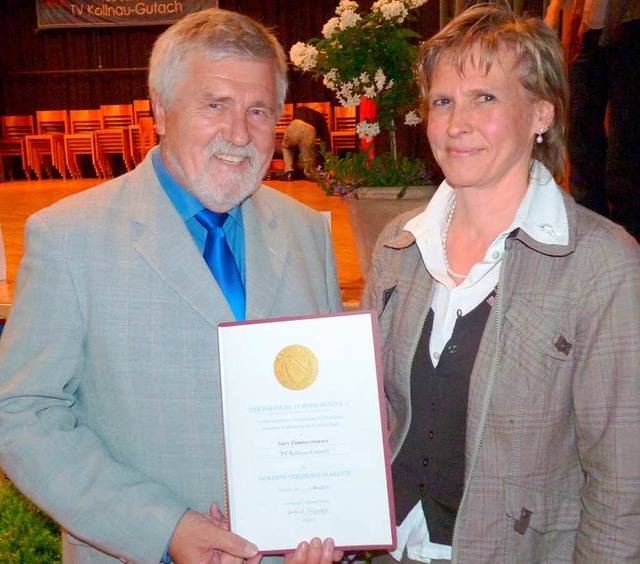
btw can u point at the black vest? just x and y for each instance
(430, 465)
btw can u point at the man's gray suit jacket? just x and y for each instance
(110, 415)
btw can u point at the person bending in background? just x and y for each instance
(604, 113)
(510, 322)
(110, 411)
(307, 125)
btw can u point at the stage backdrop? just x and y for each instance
(105, 13)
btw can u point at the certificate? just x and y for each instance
(305, 432)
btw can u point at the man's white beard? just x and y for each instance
(223, 192)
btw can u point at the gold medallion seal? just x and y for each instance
(296, 367)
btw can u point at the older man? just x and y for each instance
(110, 415)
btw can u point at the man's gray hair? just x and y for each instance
(217, 34)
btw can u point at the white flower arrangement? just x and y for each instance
(367, 56)
(367, 131)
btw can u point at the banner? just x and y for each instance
(54, 14)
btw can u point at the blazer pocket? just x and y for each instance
(542, 510)
(536, 345)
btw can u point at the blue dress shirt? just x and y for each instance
(188, 206)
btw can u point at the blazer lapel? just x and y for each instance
(266, 249)
(167, 247)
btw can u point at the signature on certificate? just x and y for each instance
(310, 509)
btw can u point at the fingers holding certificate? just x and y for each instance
(305, 433)
(315, 552)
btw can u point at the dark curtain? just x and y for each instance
(86, 67)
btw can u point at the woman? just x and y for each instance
(510, 320)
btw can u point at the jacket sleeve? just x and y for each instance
(61, 465)
(607, 402)
(333, 285)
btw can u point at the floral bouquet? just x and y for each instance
(368, 56)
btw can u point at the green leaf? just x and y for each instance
(343, 175)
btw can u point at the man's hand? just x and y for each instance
(315, 552)
(203, 539)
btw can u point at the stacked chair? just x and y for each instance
(141, 108)
(142, 135)
(45, 149)
(12, 145)
(80, 140)
(343, 133)
(113, 139)
(284, 121)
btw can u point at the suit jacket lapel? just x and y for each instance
(166, 245)
(266, 250)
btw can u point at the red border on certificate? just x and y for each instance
(306, 435)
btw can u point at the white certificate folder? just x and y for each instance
(305, 432)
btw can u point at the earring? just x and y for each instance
(539, 138)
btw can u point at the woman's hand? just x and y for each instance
(315, 552)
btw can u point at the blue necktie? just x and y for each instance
(219, 258)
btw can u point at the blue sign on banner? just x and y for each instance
(54, 14)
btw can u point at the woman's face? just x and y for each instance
(481, 127)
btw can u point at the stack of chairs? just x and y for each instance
(80, 140)
(142, 135)
(148, 136)
(12, 145)
(113, 139)
(57, 139)
(45, 149)
(284, 121)
(141, 108)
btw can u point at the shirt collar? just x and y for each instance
(186, 204)
(542, 215)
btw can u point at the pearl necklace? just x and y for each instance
(444, 245)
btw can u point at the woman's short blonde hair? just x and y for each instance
(539, 64)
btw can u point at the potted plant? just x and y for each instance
(368, 59)
(376, 190)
